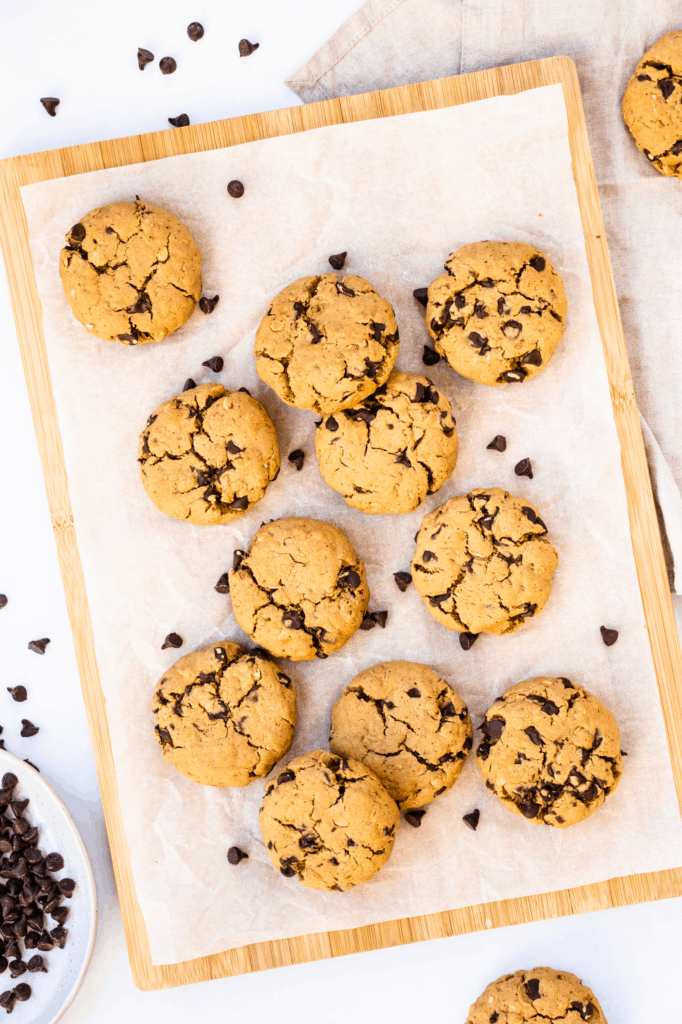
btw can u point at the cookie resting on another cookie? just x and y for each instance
(483, 562)
(550, 751)
(326, 344)
(300, 590)
(406, 724)
(652, 105)
(387, 453)
(498, 312)
(328, 821)
(541, 995)
(131, 272)
(207, 455)
(224, 716)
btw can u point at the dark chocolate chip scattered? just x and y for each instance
(331, 424)
(54, 861)
(239, 504)
(514, 376)
(181, 121)
(667, 87)
(380, 618)
(472, 819)
(524, 468)
(367, 623)
(414, 817)
(338, 261)
(237, 558)
(172, 640)
(50, 103)
(533, 358)
(66, 886)
(297, 457)
(402, 580)
(533, 986)
(421, 295)
(168, 65)
(467, 640)
(16, 969)
(38, 646)
(3, 600)
(28, 728)
(77, 232)
(207, 305)
(498, 443)
(144, 57)
(533, 735)
(538, 263)
(215, 363)
(9, 781)
(234, 855)
(195, 31)
(430, 357)
(246, 48)
(189, 384)
(223, 584)
(19, 693)
(609, 636)
(235, 189)
(22, 992)
(36, 964)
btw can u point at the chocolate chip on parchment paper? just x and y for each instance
(524, 468)
(19, 693)
(380, 618)
(472, 819)
(234, 855)
(181, 121)
(338, 260)
(172, 640)
(297, 457)
(207, 305)
(467, 640)
(195, 31)
(223, 584)
(609, 636)
(421, 295)
(430, 356)
(402, 580)
(246, 48)
(367, 623)
(215, 363)
(235, 189)
(50, 103)
(144, 57)
(189, 384)
(28, 728)
(168, 65)
(414, 817)
(38, 646)
(3, 600)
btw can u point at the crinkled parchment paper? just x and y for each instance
(399, 194)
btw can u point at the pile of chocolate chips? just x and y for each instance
(29, 894)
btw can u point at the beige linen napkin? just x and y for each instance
(396, 42)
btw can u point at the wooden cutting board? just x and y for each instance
(651, 570)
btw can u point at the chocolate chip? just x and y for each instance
(479, 310)
(533, 358)
(246, 48)
(285, 776)
(528, 809)
(514, 376)
(237, 559)
(287, 872)
(36, 964)
(168, 65)
(348, 579)
(533, 986)
(172, 640)
(414, 817)
(467, 640)
(486, 522)
(677, 148)
(472, 819)
(421, 295)
(586, 1009)
(233, 448)
(331, 424)
(9, 781)
(449, 711)
(54, 861)
(402, 460)
(439, 599)
(493, 728)
(234, 855)
(19, 693)
(414, 692)
(144, 57)
(207, 306)
(292, 619)
(297, 457)
(643, 78)
(402, 580)
(533, 735)
(77, 232)
(524, 468)
(235, 189)
(609, 636)
(430, 356)
(498, 443)
(181, 121)
(38, 646)
(380, 618)
(239, 504)
(477, 340)
(338, 261)
(667, 87)
(246, 391)
(189, 384)
(429, 556)
(550, 708)
(127, 339)
(367, 623)
(215, 363)
(195, 31)
(538, 263)
(512, 329)
(65, 885)
(59, 936)
(29, 729)
(50, 103)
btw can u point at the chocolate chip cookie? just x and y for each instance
(326, 344)
(550, 751)
(498, 312)
(483, 562)
(543, 994)
(300, 590)
(388, 452)
(328, 821)
(408, 725)
(131, 272)
(224, 716)
(207, 455)
(651, 105)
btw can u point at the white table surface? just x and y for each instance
(84, 52)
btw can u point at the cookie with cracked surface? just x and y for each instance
(328, 821)
(224, 716)
(387, 453)
(550, 751)
(300, 590)
(408, 725)
(326, 344)
(651, 105)
(131, 272)
(483, 562)
(207, 455)
(555, 997)
(498, 312)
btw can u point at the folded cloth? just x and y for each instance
(396, 42)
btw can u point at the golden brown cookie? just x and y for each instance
(224, 716)
(541, 995)
(207, 455)
(498, 312)
(326, 344)
(387, 453)
(328, 821)
(550, 751)
(483, 562)
(300, 590)
(406, 724)
(131, 272)
(652, 105)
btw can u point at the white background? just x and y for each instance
(84, 52)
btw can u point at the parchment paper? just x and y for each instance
(399, 194)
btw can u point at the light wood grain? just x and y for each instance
(649, 559)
